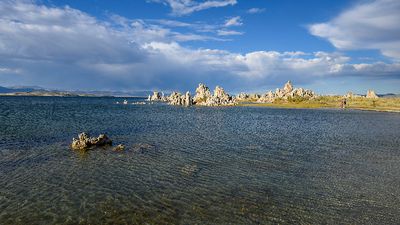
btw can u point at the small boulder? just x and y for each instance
(85, 142)
(119, 148)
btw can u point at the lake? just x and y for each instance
(199, 165)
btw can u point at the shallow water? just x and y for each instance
(229, 165)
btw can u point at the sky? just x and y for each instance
(172, 45)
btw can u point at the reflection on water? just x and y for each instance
(228, 165)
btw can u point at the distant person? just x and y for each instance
(343, 103)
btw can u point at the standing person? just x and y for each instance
(343, 103)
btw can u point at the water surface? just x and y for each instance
(229, 165)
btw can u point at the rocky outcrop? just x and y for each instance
(203, 97)
(242, 97)
(219, 98)
(157, 96)
(177, 98)
(371, 94)
(85, 142)
(288, 87)
(202, 94)
(247, 97)
(269, 97)
(188, 99)
(286, 93)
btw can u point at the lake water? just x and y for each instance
(228, 165)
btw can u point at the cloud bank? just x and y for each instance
(368, 25)
(66, 48)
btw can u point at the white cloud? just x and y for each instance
(255, 10)
(229, 32)
(185, 7)
(234, 21)
(368, 25)
(9, 70)
(66, 48)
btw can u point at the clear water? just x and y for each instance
(229, 165)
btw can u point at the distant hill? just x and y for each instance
(19, 89)
(118, 93)
(390, 95)
(38, 91)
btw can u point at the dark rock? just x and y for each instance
(142, 147)
(85, 142)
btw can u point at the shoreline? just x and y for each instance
(330, 104)
(305, 106)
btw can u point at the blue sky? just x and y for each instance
(329, 46)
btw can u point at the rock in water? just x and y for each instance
(177, 98)
(156, 96)
(188, 99)
(119, 148)
(204, 97)
(220, 97)
(143, 147)
(371, 94)
(190, 169)
(85, 142)
(202, 94)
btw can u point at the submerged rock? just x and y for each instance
(138, 103)
(119, 148)
(190, 169)
(371, 94)
(85, 142)
(142, 147)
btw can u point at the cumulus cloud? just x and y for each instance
(368, 25)
(234, 21)
(185, 7)
(68, 49)
(255, 10)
